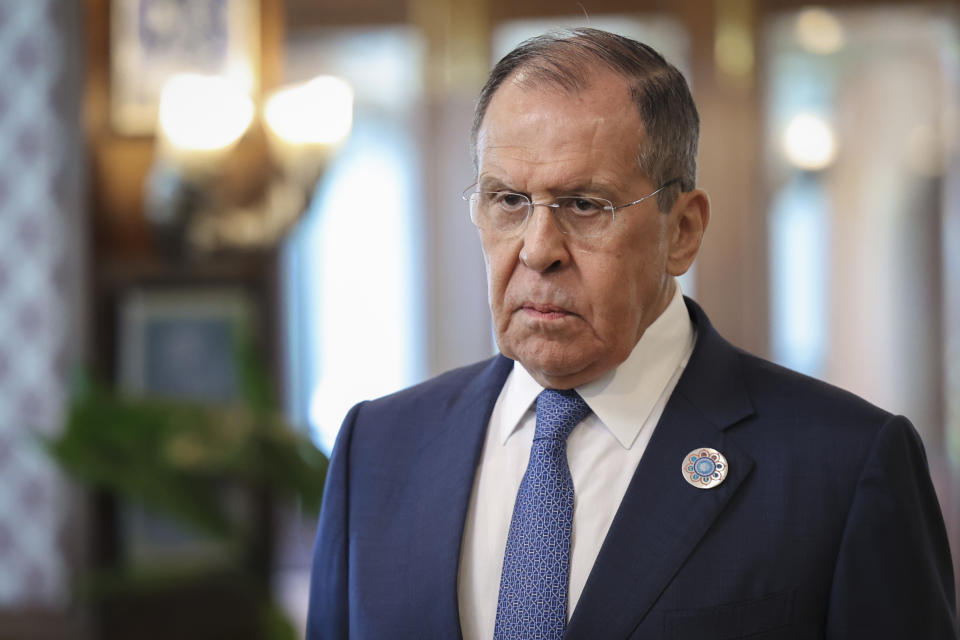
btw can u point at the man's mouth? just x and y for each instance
(544, 311)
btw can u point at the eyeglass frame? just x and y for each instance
(469, 192)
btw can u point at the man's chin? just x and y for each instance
(554, 367)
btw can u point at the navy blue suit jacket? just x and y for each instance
(827, 525)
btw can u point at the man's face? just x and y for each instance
(570, 310)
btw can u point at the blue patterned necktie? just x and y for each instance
(536, 564)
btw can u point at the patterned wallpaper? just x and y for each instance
(40, 240)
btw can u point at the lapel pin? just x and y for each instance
(705, 468)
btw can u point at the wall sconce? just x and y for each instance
(206, 192)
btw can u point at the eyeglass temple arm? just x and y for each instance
(649, 195)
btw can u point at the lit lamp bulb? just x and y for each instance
(808, 142)
(201, 119)
(306, 122)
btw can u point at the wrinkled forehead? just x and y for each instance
(548, 137)
(526, 103)
(538, 119)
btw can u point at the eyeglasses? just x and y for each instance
(506, 212)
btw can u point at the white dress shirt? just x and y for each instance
(603, 452)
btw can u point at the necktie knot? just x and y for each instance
(558, 412)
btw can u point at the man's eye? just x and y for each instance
(583, 206)
(510, 201)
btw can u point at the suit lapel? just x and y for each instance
(662, 517)
(442, 480)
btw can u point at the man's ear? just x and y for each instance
(690, 214)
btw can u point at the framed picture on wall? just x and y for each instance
(178, 343)
(152, 39)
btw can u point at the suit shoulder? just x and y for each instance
(728, 381)
(435, 396)
(800, 420)
(445, 385)
(774, 388)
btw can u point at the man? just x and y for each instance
(619, 471)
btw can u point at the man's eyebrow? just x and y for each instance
(586, 187)
(490, 183)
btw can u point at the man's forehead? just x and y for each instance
(570, 165)
(528, 101)
(559, 120)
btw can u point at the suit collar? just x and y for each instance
(662, 518)
(713, 380)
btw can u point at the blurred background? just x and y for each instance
(224, 222)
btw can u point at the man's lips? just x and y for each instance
(544, 311)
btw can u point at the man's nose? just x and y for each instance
(544, 245)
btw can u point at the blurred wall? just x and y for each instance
(41, 235)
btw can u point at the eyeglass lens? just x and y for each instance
(504, 212)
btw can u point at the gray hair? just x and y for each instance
(564, 59)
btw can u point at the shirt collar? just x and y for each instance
(623, 398)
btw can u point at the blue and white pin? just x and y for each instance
(705, 468)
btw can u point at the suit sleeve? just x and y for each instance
(328, 615)
(894, 576)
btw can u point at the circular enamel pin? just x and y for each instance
(704, 468)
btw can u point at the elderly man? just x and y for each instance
(619, 470)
